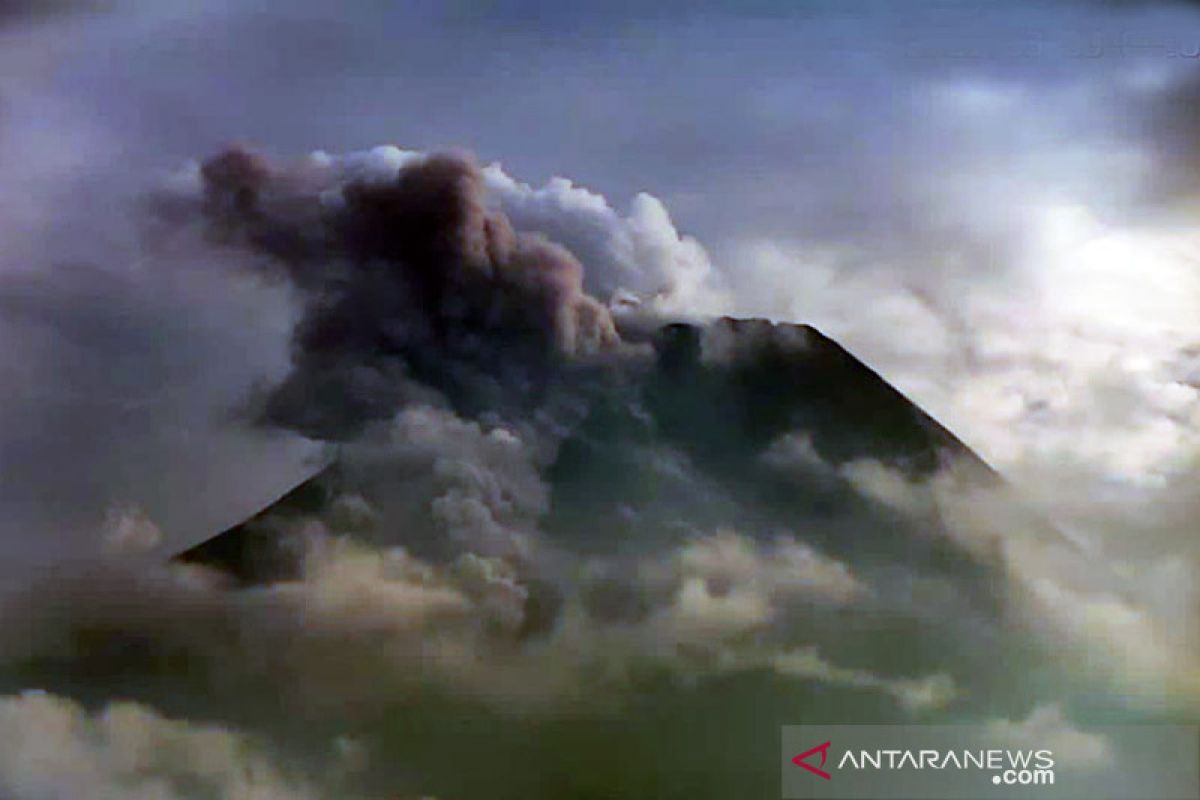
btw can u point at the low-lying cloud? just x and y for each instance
(540, 552)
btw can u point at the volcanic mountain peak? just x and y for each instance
(719, 397)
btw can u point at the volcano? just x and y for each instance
(737, 424)
(719, 397)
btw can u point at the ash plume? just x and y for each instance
(542, 507)
(410, 279)
(545, 514)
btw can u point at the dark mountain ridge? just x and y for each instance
(721, 393)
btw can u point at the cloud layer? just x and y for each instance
(599, 559)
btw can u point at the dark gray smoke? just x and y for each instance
(540, 517)
(414, 279)
(598, 566)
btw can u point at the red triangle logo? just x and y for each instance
(800, 760)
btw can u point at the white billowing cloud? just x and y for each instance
(1083, 603)
(1079, 355)
(1131, 622)
(364, 626)
(716, 601)
(130, 531)
(916, 694)
(872, 311)
(887, 485)
(371, 625)
(1120, 311)
(367, 625)
(1047, 728)
(54, 748)
(704, 615)
(712, 604)
(377, 164)
(784, 568)
(795, 452)
(640, 252)
(1066, 355)
(1150, 656)
(1050, 374)
(1026, 301)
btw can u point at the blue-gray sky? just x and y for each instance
(777, 116)
(814, 149)
(992, 203)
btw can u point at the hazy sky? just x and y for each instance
(880, 169)
(782, 118)
(994, 204)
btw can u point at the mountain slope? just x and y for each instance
(721, 395)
